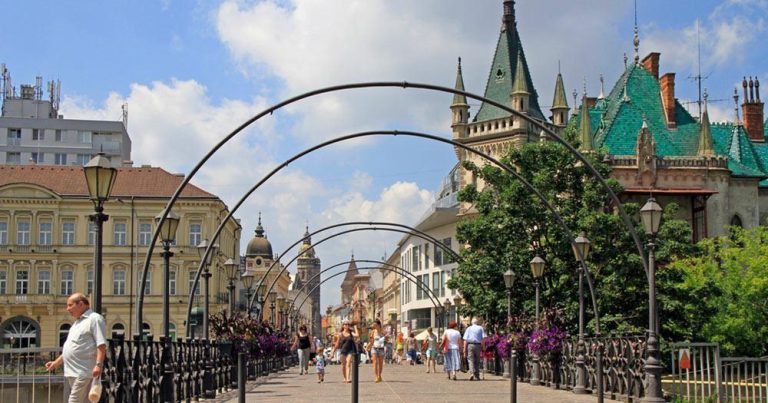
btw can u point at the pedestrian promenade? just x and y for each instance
(401, 383)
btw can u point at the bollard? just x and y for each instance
(600, 391)
(355, 375)
(513, 375)
(241, 377)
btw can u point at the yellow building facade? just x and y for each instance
(47, 245)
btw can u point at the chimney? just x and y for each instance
(667, 83)
(651, 63)
(752, 111)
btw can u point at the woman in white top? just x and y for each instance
(376, 342)
(451, 345)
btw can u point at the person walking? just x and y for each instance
(376, 342)
(452, 346)
(399, 346)
(320, 365)
(412, 343)
(85, 349)
(304, 346)
(473, 337)
(345, 343)
(431, 350)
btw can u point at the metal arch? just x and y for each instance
(410, 276)
(412, 231)
(503, 166)
(285, 267)
(404, 84)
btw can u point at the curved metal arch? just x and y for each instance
(409, 276)
(404, 84)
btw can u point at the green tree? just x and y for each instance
(511, 226)
(730, 277)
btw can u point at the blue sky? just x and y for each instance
(191, 71)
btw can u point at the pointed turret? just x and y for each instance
(520, 93)
(459, 107)
(706, 149)
(585, 128)
(559, 104)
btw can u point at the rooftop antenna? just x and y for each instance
(698, 77)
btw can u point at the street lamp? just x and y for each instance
(231, 269)
(537, 268)
(206, 276)
(456, 303)
(651, 216)
(261, 298)
(581, 249)
(167, 236)
(272, 299)
(509, 281)
(99, 177)
(280, 307)
(247, 279)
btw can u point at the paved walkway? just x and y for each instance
(401, 383)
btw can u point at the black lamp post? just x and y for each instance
(581, 249)
(457, 303)
(280, 307)
(99, 177)
(272, 299)
(509, 281)
(247, 279)
(537, 268)
(206, 277)
(261, 298)
(232, 270)
(651, 215)
(167, 236)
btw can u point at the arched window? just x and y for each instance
(63, 333)
(146, 331)
(736, 221)
(172, 331)
(20, 332)
(118, 329)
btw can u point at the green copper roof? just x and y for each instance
(503, 71)
(459, 99)
(616, 123)
(560, 100)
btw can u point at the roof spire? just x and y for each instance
(560, 100)
(636, 40)
(575, 105)
(585, 129)
(520, 85)
(602, 88)
(706, 148)
(259, 228)
(736, 101)
(459, 99)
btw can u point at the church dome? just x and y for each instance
(259, 245)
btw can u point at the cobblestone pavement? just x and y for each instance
(402, 383)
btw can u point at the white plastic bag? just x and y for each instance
(95, 393)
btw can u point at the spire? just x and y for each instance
(706, 148)
(585, 129)
(735, 149)
(736, 101)
(307, 239)
(636, 39)
(259, 228)
(508, 20)
(575, 104)
(560, 100)
(602, 88)
(459, 99)
(520, 86)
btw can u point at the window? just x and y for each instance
(120, 230)
(22, 282)
(67, 282)
(44, 282)
(22, 233)
(426, 255)
(83, 137)
(436, 283)
(172, 282)
(3, 232)
(442, 283)
(415, 256)
(91, 233)
(68, 233)
(145, 233)
(13, 158)
(60, 159)
(38, 134)
(83, 159)
(38, 158)
(63, 333)
(118, 329)
(3, 282)
(441, 256)
(58, 135)
(89, 282)
(147, 284)
(195, 234)
(192, 282)
(118, 282)
(14, 137)
(45, 233)
(172, 331)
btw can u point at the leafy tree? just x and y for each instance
(730, 277)
(511, 226)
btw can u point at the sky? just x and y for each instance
(193, 71)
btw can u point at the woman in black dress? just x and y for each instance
(345, 343)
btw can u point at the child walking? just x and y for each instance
(320, 365)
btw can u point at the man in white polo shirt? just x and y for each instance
(84, 351)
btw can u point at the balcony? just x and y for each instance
(32, 299)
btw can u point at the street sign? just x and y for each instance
(684, 358)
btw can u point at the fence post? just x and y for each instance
(718, 375)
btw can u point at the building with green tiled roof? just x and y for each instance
(717, 173)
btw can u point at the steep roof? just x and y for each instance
(616, 122)
(560, 100)
(70, 181)
(509, 54)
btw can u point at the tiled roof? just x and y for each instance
(70, 181)
(616, 122)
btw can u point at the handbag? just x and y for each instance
(95, 393)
